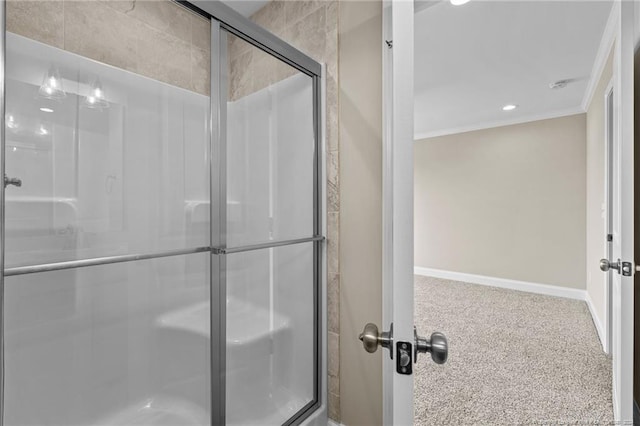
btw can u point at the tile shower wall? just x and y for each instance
(312, 27)
(157, 39)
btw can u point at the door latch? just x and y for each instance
(627, 269)
(404, 358)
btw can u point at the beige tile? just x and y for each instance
(333, 407)
(236, 47)
(37, 20)
(333, 349)
(333, 303)
(283, 71)
(333, 182)
(271, 17)
(200, 32)
(331, 48)
(165, 58)
(333, 243)
(99, 32)
(263, 70)
(333, 385)
(332, 109)
(295, 10)
(165, 16)
(123, 6)
(332, 11)
(200, 70)
(309, 34)
(240, 82)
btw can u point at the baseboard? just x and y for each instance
(546, 289)
(332, 423)
(596, 322)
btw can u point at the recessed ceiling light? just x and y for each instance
(45, 109)
(509, 107)
(458, 2)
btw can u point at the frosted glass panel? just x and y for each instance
(270, 148)
(111, 162)
(270, 331)
(119, 344)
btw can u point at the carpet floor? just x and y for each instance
(515, 358)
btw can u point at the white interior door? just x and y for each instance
(397, 218)
(622, 217)
(398, 205)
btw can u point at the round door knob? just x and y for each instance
(369, 338)
(436, 345)
(439, 348)
(605, 265)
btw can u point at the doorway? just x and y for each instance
(509, 179)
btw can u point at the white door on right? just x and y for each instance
(621, 265)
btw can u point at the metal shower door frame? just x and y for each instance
(226, 21)
(223, 20)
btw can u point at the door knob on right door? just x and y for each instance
(605, 265)
(436, 345)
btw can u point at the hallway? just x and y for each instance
(514, 358)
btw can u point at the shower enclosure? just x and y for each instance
(162, 249)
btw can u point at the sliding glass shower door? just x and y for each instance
(162, 221)
(271, 232)
(106, 244)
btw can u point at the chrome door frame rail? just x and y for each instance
(218, 217)
(106, 260)
(3, 61)
(97, 261)
(272, 244)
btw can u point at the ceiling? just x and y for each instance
(471, 60)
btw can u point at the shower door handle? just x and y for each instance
(12, 181)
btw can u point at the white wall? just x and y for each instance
(507, 202)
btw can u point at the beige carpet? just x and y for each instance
(514, 358)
